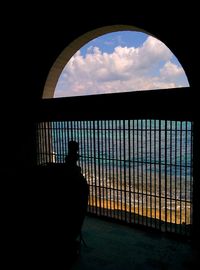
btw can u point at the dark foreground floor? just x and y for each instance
(119, 247)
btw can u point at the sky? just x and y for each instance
(121, 61)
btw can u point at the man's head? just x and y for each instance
(73, 148)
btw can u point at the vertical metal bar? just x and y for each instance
(129, 171)
(91, 134)
(69, 131)
(166, 144)
(170, 175)
(73, 132)
(76, 130)
(109, 170)
(67, 134)
(106, 159)
(142, 167)
(100, 142)
(160, 175)
(95, 167)
(82, 145)
(92, 131)
(79, 142)
(120, 169)
(103, 164)
(150, 172)
(46, 146)
(117, 167)
(90, 159)
(72, 127)
(86, 152)
(87, 146)
(62, 142)
(59, 141)
(191, 173)
(146, 160)
(50, 142)
(45, 142)
(175, 174)
(99, 175)
(56, 140)
(81, 149)
(186, 165)
(113, 168)
(124, 160)
(134, 168)
(138, 176)
(86, 156)
(180, 196)
(155, 173)
(65, 137)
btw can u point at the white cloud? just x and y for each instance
(125, 69)
(171, 71)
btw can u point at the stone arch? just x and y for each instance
(73, 47)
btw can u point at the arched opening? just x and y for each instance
(151, 47)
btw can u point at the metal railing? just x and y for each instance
(139, 171)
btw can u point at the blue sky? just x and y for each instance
(120, 62)
(108, 42)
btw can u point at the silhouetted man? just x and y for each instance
(77, 194)
(63, 205)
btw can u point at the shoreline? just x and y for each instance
(169, 216)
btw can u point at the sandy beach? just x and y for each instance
(170, 216)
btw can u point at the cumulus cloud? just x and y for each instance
(125, 69)
(171, 71)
